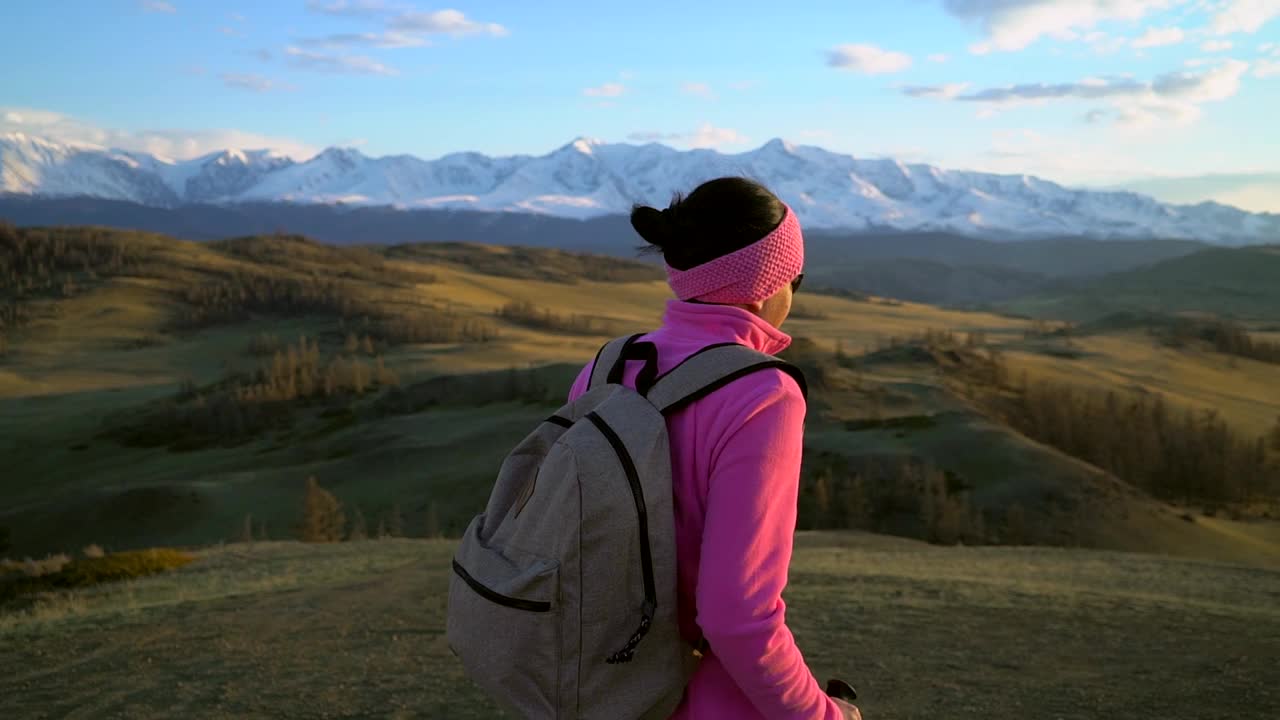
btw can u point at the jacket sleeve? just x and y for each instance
(580, 384)
(747, 546)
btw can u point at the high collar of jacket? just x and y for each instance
(710, 324)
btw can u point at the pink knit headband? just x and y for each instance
(751, 274)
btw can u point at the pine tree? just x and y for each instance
(322, 516)
(358, 529)
(395, 522)
(822, 498)
(433, 521)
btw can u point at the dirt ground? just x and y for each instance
(283, 630)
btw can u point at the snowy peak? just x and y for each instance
(582, 145)
(587, 177)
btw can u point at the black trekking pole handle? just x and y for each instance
(842, 690)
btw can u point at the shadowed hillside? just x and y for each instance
(942, 268)
(1236, 283)
(165, 391)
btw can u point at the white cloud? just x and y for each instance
(605, 90)
(1159, 37)
(945, 92)
(1216, 46)
(256, 83)
(448, 22)
(230, 31)
(1246, 16)
(1015, 24)
(867, 59)
(336, 64)
(1218, 83)
(1103, 44)
(939, 57)
(354, 8)
(1196, 62)
(1173, 98)
(236, 17)
(1266, 68)
(378, 40)
(742, 85)
(1060, 157)
(706, 136)
(1137, 115)
(174, 144)
(697, 88)
(157, 6)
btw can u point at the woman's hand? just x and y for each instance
(850, 710)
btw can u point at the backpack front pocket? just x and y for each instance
(503, 623)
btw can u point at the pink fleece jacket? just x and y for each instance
(735, 460)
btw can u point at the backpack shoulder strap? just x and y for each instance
(609, 357)
(710, 369)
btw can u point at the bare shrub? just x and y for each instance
(246, 530)
(241, 407)
(45, 566)
(897, 496)
(395, 521)
(1015, 524)
(432, 529)
(265, 344)
(1223, 336)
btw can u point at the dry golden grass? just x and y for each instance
(288, 630)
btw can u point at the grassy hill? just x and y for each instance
(929, 281)
(1233, 282)
(287, 630)
(932, 267)
(142, 401)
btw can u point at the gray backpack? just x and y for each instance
(573, 561)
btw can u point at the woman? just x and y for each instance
(734, 256)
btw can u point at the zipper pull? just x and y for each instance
(628, 651)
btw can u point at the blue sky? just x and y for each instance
(1080, 91)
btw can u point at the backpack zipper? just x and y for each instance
(499, 598)
(646, 557)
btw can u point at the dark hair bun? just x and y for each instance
(652, 225)
(717, 218)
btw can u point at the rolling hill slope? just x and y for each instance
(1242, 283)
(105, 371)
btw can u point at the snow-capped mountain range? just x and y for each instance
(587, 178)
